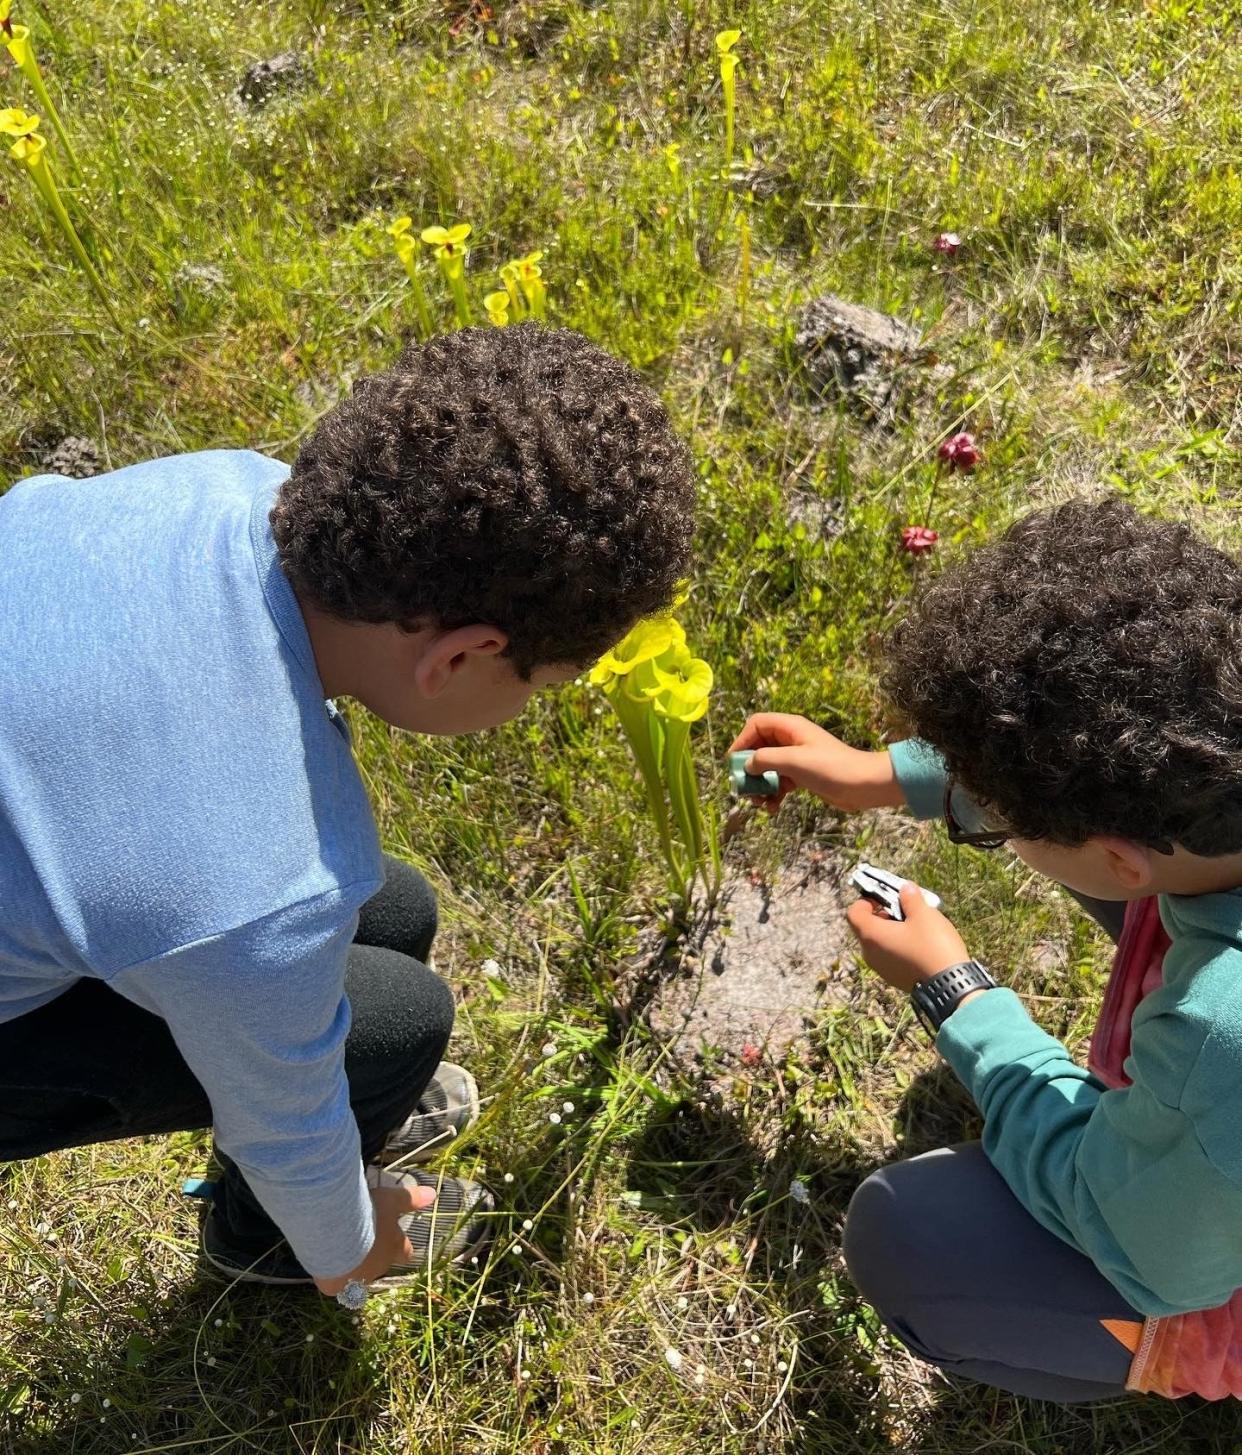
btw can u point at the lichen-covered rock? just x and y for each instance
(264, 79)
(857, 352)
(74, 456)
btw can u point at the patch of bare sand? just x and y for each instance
(777, 957)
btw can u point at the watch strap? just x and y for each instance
(936, 999)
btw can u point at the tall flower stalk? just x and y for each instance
(449, 245)
(29, 150)
(658, 688)
(406, 245)
(725, 42)
(16, 39)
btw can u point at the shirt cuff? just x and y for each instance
(920, 772)
(991, 1030)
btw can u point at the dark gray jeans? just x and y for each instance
(968, 1280)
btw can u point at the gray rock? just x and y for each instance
(856, 352)
(76, 457)
(264, 79)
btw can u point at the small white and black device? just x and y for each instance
(884, 889)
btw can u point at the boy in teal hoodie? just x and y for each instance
(1076, 693)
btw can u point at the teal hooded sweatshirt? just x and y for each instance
(1145, 1181)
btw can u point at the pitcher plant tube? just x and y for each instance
(725, 42)
(658, 688)
(406, 245)
(29, 150)
(449, 246)
(16, 39)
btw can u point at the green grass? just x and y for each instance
(1089, 156)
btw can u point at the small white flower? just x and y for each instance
(550, 1049)
(798, 1190)
(516, 1250)
(310, 1338)
(588, 1298)
(672, 1357)
(508, 1176)
(555, 1118)
(211, 1361)
(492, 967)
(568, 1108)
(525, 1374)
(219, 1323)
(527, 1225)
(683, 1302)
(749, 1363)
(782, 1367)
(75, 1399)
(754, 1338)
(700, 1375)
(731, 1311)
(107, 1404)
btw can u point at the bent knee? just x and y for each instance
(876, 1238)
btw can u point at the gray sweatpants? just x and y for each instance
(968, 1280)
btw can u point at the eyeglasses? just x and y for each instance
(980, 839)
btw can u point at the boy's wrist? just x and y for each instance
(887, 786)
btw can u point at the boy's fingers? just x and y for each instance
(774, 760)
(415, 1198)
(912, 902)
(866, 919)
(762, 728)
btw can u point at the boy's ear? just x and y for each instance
(1128, 862)
(441, 654)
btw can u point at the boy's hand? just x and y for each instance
(905, 952)
(391, 1246)
(806, 756)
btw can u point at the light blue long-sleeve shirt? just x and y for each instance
(1145, 1180)
(180, 812)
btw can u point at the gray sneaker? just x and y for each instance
(456, 1228)
(449, 1105)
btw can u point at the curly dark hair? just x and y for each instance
(1082, 675)
(517, 476)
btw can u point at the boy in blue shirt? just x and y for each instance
(197, 924)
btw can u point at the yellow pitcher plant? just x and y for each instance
(509, 277)
(658, 688)
(530, 279)
(16, 39)
(29, 150)
(406, 245)
(497, 305)
(725, 42)
(449, 245)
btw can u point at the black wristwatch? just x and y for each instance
(936, 999)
